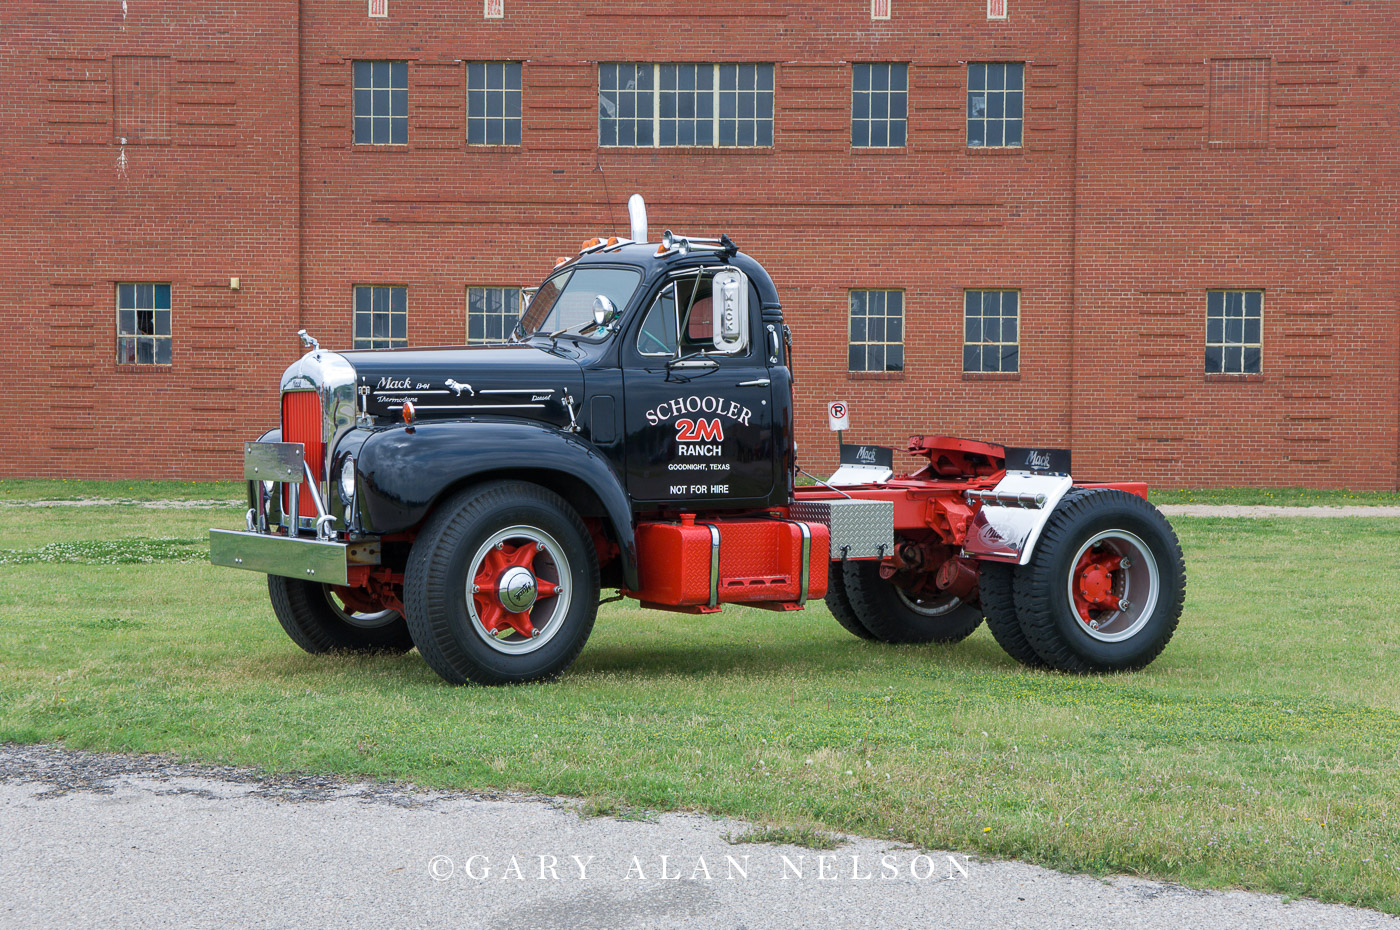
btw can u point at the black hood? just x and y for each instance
(519, 381)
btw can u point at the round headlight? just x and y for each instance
(347, 479)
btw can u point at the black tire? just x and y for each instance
(320, 625)
(839, 602)
(893, 618)
(1048, 616)
(995, 586)
(452, 549)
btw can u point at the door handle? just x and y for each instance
(757, 382)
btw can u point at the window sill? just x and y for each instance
(995, 150)
(991, 376)
(879, 150)
(132, 368)
(728, 150)
(874, 376)
(1223, 378)
(379, 146)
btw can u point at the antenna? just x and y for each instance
(637, 214)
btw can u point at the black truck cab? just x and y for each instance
(642, 379)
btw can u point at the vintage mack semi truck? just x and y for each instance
(637, 434)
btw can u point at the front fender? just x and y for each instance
(404, 472)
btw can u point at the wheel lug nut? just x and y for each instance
(475, 589)
(1124, 604)
(1126, 563)
(534, 633)
(1093, 624)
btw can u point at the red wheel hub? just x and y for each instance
(1093, 583)
(506, 587)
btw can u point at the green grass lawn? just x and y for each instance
(1262, 750)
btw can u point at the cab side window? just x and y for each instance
(680, 321)
(658, 335)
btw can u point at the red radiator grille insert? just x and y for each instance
(301, 422)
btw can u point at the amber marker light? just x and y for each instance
(409, 414)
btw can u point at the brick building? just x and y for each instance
(1160, 233)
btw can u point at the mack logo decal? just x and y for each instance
(869, 456)
(400, 384)
(1043, 461)
(681, 406)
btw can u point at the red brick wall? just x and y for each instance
(1112, 221)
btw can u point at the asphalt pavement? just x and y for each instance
(112, 841)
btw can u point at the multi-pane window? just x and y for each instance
(651, 105)
(995, 99)
(687, 104)
(381, 102)
(879, 105)
(493, 103)
(991, 331)
(877, 331)
(1234, 332)
(492, 313)
(143, 324)
(381, 317)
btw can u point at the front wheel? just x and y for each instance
(893, 614)
(320, 620)
(502, 586)
(1104, 590)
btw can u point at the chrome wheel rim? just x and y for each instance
(364, 620)
(929, 606)
(517, 589)
(1113, 566)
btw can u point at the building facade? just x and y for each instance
(1160, 234)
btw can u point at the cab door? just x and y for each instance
(698, 397)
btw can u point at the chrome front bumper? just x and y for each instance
(320, 560)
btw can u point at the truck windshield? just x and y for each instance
(565, 301)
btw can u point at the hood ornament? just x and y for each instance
(307, 340)
(457, 387)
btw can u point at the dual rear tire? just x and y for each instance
(1103, 592)
(873, 608)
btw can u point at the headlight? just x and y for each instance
(268, 487)
(347, 479)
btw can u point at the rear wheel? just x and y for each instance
(996, 588)
(1104, 590)
(839, 603)
(502, 586)
(893, 614)
(320, 620)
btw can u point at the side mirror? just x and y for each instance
(731, 311)
(604, 310)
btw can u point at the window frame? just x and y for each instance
(509, 68)
(885, 343)
(869, 120)
(507, 291)
(1001, 344)
(135, 336)
(1003, 120)
(390, 340)
(373, 89)
(717, 103)
(1225, 344)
